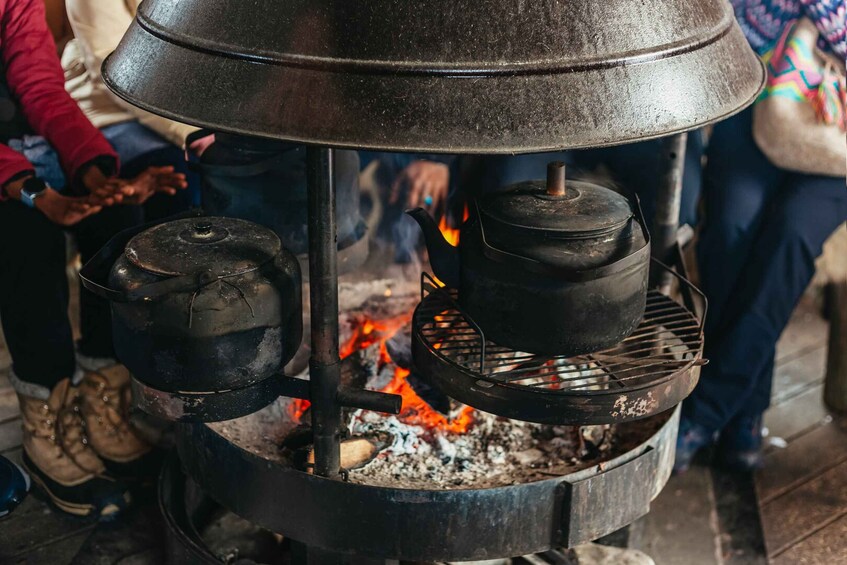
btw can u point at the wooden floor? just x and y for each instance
(794, 511)
(798, 511)
(802, 491)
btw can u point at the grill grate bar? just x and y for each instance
(691, 337)
(588, 372)
(668, 340)
(668, 367)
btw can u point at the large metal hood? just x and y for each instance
(474, 76)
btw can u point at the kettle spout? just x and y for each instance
(443, 257)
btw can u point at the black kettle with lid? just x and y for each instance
(200, 304)
(549, 268)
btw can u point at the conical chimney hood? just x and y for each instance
(463, 76)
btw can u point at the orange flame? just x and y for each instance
(449, 233)
(415, 410)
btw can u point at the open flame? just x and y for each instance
(415, 410)
(452, 234)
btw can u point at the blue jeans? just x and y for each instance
(763, 229)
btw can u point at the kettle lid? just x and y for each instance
(584, 210)
(227, 246)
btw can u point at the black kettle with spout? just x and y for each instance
(549, 268)
(200, 304)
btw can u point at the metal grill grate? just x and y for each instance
(667, 340)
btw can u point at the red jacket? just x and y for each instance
(36, 80)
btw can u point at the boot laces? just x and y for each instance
(111, 407)
(65, 429)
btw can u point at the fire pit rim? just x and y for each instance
(462, 523)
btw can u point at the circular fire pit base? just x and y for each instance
(199, 532)
(433, 525)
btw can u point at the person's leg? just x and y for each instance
(692, 179)
(34, 299)
(638, 168)
(778, 270)
(104, 388)
(34, 312)
(741, 439)
(95, 314)
(738, 182)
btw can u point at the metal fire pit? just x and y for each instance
(432, 525)
(649, 372)
(189, 513)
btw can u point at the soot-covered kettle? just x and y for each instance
(551, 267)
(200, 304)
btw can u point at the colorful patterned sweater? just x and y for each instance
(763, 21)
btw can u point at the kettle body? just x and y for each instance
(205, 305)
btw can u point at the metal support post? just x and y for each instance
(668, 200)
(324, 365)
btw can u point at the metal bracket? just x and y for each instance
(235, 403)
(622, 492)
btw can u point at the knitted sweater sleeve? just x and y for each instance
(829, 17)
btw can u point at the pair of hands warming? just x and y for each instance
(107, 191)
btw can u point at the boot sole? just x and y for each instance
(69, 507)
(73, 508)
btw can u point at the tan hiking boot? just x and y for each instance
(106, 408)
(58, 456)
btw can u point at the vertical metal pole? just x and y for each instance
(668, 201)
(324, 365)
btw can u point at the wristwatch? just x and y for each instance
(32, 189)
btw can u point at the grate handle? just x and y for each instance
(689, 288)
(429, 285)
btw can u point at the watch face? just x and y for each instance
(32, 189)
(33, 186)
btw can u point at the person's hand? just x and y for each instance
(98, 186)
(65, 210)
(427, 183)
(199, 146)
(151, 181)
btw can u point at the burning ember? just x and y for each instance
(416, 411)
(453, 447)
(435, 442)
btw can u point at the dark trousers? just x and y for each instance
(34, 286)
(34, 291)
(763, 229)
(639, 167)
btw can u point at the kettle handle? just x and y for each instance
(572, 275)
(95, 272)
